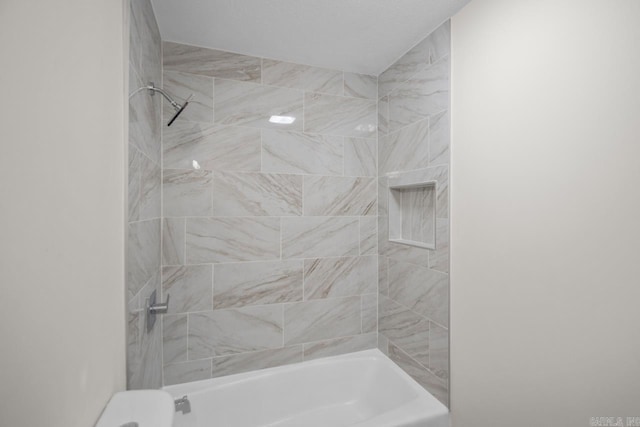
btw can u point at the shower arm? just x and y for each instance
(151, 87)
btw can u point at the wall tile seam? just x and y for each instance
(425, 67)
(397, 259)
(275, 260)
(231, 171)
(437, 378)
(427, 117)
(417, 314)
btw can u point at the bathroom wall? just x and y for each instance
(144, 349)
(269, 230)
(545, 209)
(62, 186)
(413, 135)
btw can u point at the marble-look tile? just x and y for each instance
(403, 327)
(187, 192)
(144, 124)
(427, 93)
(295, 152)
(439, 174)
(256, 194)
(210, 62)
(195, 370)
(439, 259)
(416, 59)
(383, 344)
(383, 196)
(412, 254)
(418, 220)
(190, 287)
(369, 313)
(339, 196)
(339, 277)
(150, 188)
(236, 330)
(383, 275)
(218, 240)
(440, 42)
(250, 104)
(337, 346)
(304, 77)
(360, 157)
(181, 86)
(406, 149)
(383, 116)
(423, 290)
(211, 147)
(134, 184)
(312, 237)
(423, 376)
(143, 253)
(174, 338)
(173, 240)
(360, 86)
(321, 319)
(368, 235)
(439, 139)
(339, 115)
(439, 351)
(244, 362)
(257, 283)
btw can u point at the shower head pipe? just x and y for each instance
(153, 89)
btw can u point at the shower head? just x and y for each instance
(152, 91)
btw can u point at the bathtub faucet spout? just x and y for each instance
(183, 405)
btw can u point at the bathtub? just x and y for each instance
(364, 389)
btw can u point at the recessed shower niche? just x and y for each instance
(412, 209)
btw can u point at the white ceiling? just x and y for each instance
(364, 36)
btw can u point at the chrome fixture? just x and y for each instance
(154, 308)
(183, 405)
(152, 91)
(131, 424)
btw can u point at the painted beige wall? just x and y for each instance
(545, 320)
(62, 158)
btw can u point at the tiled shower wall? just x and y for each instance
(144, 363)
(414, 136)
(269, 230)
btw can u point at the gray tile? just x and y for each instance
(211, 147)
(178, 373)
(337, 346)
(338, 115)
(383, 275)
(406, 149)
(404, 328)
(190, 287)
(440, 42)
(305, 77)
(439, 174)
(174, 338)
(173, 241)
(151, 52)
(243, 362)
(144, 124)
(360, 86)
(339, 196)
(250, 104)
(339, 277)
(383, 344)
(237, 330)
(254, 283)
(423, 290)
(439, 351)
(150, 188)
(183, 85)
(322, 319)
(134, 184)
(423, 376)
(412, 254)
(369, 313)
(256, 194)
(383, 116)
(312, 237)
(427, 93)
(295, 152)
(218, 240)
(210, 62)
(368, 235)
(416, 59)
(383, 196)
(360, 157)
(439, 259)
(439, 138)
(187, 192)
(143, 253)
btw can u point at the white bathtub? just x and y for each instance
(358, 389)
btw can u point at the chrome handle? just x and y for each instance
(160, 307)
(154, 308)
